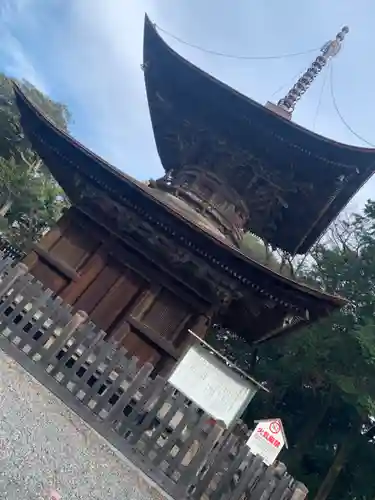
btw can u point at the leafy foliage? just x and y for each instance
(322, 379)
(30, 199)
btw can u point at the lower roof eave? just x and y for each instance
(231, 260)
(282, 332)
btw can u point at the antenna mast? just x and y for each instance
(330, 49)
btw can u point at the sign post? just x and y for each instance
(267, 440)
(213, 383)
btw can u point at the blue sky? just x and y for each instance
(87, 54)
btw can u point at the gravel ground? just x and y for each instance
(44, 446)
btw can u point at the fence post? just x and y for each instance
(15, 273)
(300, 492)
(76, 321)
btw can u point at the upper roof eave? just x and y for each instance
(318, 151)
(150, 33)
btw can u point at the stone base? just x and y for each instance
(278, 110)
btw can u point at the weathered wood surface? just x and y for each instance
(138, 305)
(189, 454)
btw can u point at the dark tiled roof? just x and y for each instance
(190, 107)
(64, 156)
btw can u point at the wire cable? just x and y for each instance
(341, 116)
(320, 100)
(232, 56)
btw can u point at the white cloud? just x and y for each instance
(90, 51)
(19, 66)
(17, 62)
(93, 50)
(104, 48)
(11, 8)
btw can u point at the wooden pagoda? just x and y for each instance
(149, 262)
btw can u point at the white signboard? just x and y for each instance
(267, 440)
(212, 385)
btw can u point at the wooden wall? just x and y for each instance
(137, 305)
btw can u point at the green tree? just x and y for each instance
(322, 380)
(30, 199)
(13, 142)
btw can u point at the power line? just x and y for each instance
(231, 56)
(320, 100)
(340, 115)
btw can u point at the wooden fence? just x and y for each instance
(9, 250)
(156, 427)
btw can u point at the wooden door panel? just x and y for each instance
(74, 247)
(149, 318)
(88, 274)
(141, 348)
(92, 296)
(50, 277)
(166, 315)
(118, 299)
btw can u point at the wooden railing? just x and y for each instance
(9, 250)
(162, 432)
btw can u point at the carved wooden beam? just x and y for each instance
(156, 246)
(162, 239)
